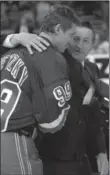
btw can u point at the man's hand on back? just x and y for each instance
(28, 40)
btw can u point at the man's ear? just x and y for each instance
(58, 29)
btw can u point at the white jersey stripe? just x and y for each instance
(19, 154)
(26, 152)
(56, 122)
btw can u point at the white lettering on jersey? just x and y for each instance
(60, 95)
(7, 98)
(3, 61)
(10, 90)
(24, 76)
(16, 68)
(63, 94)
(14, 65)
(13, 59)
(10, 94)
(68, 90)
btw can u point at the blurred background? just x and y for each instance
(27, 16)
(31, 13)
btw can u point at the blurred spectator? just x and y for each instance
(14, 6)
(104, 40)
(101, 46)
(4, 16)
(27, 22)
(96, 44)
(25, 5)
(41, 10)
(80, 11)
(104, 47)
(33, 16)
(15, 9)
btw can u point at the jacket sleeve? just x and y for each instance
(95, 135)
(101, 144)
(6, 42)
(104, 88)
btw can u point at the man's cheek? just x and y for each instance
(71, 42)
(86, 50)
(70, 48)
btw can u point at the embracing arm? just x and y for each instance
(8, 42)
(94, 72)
(28, 40)
(104, 88)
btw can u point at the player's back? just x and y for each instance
(35, 91)
(16, 106)
(18, 152)
(37, 88)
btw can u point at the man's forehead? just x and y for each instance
(81, 29)
(83, 32)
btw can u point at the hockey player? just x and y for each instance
(35, 92)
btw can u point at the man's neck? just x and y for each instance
(48, 37)
(51, 38)
(82, 62)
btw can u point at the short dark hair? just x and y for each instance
(61, 14)
(88, 25)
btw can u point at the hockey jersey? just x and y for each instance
(34, 89)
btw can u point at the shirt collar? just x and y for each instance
(83, 63)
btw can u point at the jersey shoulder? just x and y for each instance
(49, 54)
(15, 66)
(50, 59)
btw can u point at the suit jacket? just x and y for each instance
(92, 114)
(95, 140)
(71, 139)
(93, 71)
